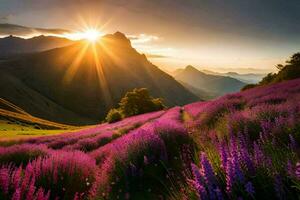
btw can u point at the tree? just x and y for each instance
(267, 79)
(295, 59)
(139, 101)
(135, 102)
(279, 67)
(286, 72)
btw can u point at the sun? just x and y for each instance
(91, 35)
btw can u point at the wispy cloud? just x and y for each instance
(143, 38)
(150, 46)
(155, 56)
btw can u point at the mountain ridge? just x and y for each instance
(11, 45)
(216, 84)
(99, 73)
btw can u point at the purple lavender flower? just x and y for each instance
(223, 155)
(297, 172)
(207, 170)
(208, 175)
(196, 173)
(218, 192)
(293, 142)
(202, 193)
(250, 189)
(238, 174)
(278, 187)
(229, 176)
(289, 168)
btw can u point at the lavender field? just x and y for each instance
(240, 146)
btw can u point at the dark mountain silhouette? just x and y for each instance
(213, 84)
(11, 46)
(85, 80)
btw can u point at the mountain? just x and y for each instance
(247, 78)
(84, 80)
(202, 94)
(215, 84)
(11, 46)
(17, 30)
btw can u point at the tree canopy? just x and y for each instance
(135, 102)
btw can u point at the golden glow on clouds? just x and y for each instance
(143, 38)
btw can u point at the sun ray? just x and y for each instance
(71, 71)
(101, 76)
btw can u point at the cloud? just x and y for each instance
(3, 19)
(145, 43)
(23, 31)
(156, 56)
(143, 38)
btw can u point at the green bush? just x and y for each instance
(113, 115)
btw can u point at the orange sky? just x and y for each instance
(232, 36)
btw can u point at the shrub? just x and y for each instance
(113, 115)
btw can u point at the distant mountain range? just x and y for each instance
(17, 30)
(12, 46)
(211, 85)
(247, 78)
(79, 82)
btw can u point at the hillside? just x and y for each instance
(202, 94)
(17, 124)
(13, 113)
(85, 80)
(215, 84)
(19, 93)
(245, 145)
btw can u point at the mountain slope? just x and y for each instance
(202, 94)
(16, 91)
(210, 83)
(11, 45)
(23, 118)
(88, 79)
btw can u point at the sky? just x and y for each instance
(232, 35)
